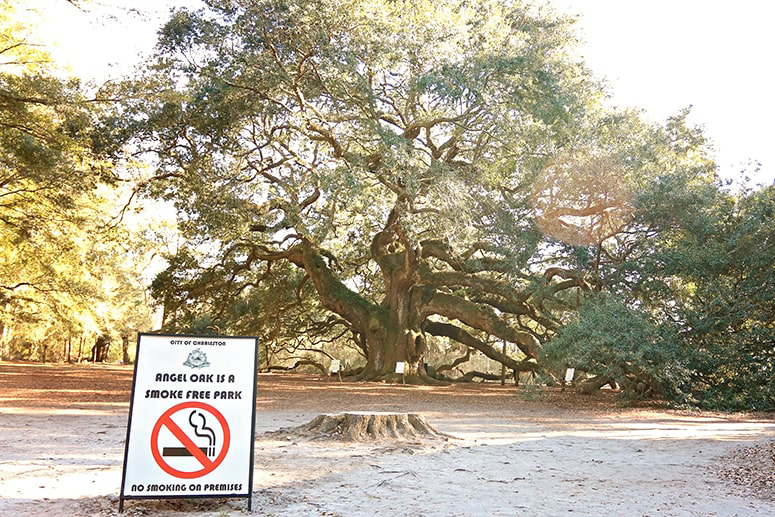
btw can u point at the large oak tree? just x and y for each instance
(390, 151)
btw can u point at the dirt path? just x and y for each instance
(512, 453)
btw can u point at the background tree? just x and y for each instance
(57, 196)
(715, 285)
(688, 316)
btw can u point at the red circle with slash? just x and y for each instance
(193, 449)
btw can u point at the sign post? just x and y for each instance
(191, 418)
(400, 369)
(336, 367)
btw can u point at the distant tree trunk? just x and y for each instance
(5, 340)
(99, 352)
(125, 349)
(503, 367)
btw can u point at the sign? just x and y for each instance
(191, 418)
(335, 366)
(569, 373)
(400, 366)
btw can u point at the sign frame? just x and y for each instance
(154, 361)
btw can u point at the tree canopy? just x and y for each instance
(384, 182)
(384, 148)
(435, 170)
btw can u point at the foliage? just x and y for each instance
(719, 276)
(385, 181)
(391, 175)
(621, 344)
(692, 317)
(63, 270)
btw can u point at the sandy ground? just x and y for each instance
(511, 452)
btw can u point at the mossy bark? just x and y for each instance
(394, 330)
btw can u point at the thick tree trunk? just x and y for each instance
(398, 336)
(393, 331)
(386, 341)
(393, 337)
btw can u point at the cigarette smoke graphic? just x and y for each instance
(207, 431)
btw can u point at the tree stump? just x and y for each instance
(364, 426)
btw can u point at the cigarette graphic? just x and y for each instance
(182, 451)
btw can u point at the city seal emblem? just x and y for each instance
(196, 359)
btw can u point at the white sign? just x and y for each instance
(191, 417)
(400, 367)
(335, 366)
(569, 373)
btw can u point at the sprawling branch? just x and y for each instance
(461, 336)
(572, 279)
(334, 295)
(480, 284)
(443, 252)
(482, 318)
(458, 361)
(298, 363)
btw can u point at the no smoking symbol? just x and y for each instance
(196, 437)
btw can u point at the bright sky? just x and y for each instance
(659, 55)
(713, 55)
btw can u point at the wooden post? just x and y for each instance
(503, 366)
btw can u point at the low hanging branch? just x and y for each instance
(461, 336)
(470, 376)
(299, 363)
